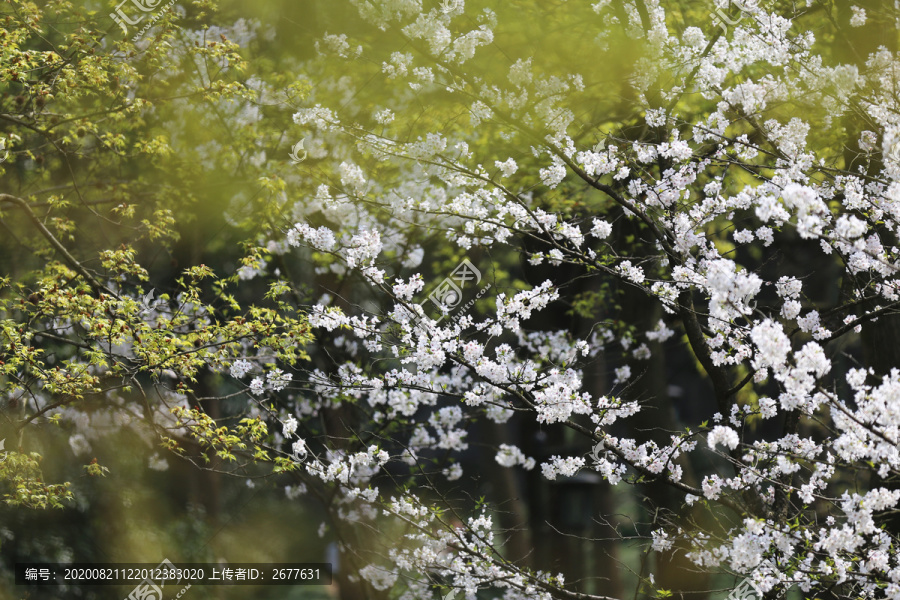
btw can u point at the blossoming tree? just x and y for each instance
(459, 249)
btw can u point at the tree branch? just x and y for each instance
(73, 262)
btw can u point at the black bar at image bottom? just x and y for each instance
(167, 573)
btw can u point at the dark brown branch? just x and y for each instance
(73, 262)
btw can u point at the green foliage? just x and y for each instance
(106, 169)
(21, 472)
